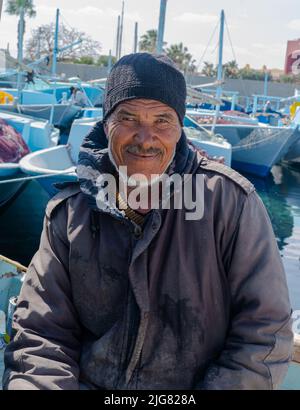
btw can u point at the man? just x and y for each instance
(151, 297)
(78, 97)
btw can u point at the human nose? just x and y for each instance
(145, 135)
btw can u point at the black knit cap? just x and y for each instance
(145, 75)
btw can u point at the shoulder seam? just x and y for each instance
(231, 174)
(60, 198)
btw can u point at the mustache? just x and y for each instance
(139, 150)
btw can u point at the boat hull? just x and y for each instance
(293, 155)
(256, 149)
(63, 115)
(9, 191)
(11, 279)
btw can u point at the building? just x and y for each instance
(292, 59)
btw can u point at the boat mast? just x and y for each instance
(220, 68)
(121, 31)
(54, 64)
(109, 62)
(20, 50)
(161, 26)
(135, 46)
(1, 4)
(118, 38)
(55, 51)
(266, 82)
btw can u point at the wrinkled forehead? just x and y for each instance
(139, 106)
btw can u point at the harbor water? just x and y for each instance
(21, 221)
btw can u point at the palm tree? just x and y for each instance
(20, 8)
(180, 55)
(231, 69)
(148, 41)
(14, 7)
(209, 70)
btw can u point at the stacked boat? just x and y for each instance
(20, 135)
(256, 147)
(49, 103)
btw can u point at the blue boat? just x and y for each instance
(255, 147)
(38, 135)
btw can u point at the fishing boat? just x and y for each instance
(37, 135)
(42, 105)
(12, 275)
(256, 147)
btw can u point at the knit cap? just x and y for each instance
(145, 75)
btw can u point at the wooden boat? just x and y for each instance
(11, 278)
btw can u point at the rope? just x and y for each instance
(14, 263)
(31, 178)
(208, 44)
(234, 56)
(130, 213)
(257, 142)
(33, 110)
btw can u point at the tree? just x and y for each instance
(104, 60)
(231, 69)
(42, 38)
(148, 41)
(209, 70)
(14, 8)
(85, 60)
(180, 55)
(248, 73)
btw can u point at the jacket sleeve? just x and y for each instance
(259, 342)
(45, 351)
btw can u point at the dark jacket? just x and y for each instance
(181, 305)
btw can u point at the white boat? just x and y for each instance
(59, 163)
(255, 148)
(215, 146)
(38, 135)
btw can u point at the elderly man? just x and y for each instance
(119, 297)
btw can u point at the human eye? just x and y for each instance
(127, 118)
(162, 120)
(162, 123)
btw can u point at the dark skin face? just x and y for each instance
(143, 135)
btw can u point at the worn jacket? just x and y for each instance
(182, 304)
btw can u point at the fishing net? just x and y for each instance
(261, 136)
(12, 145)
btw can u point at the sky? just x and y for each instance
(258, 29)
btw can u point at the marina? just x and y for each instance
(44, 118)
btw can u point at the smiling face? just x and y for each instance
(143, 135)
